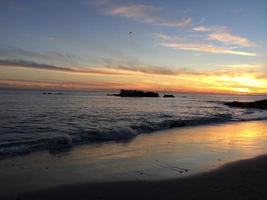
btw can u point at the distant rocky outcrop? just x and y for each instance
(168, 96)
(262, 104)
(49, 93)
(136, 93)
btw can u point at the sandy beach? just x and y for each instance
(185, 163)
(239, 180)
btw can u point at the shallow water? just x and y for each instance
(163, 155)
(32, 121)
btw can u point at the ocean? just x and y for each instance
(31, 120)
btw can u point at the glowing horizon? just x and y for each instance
(103, 79)
(112, 45)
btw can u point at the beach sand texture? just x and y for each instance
(179, 163)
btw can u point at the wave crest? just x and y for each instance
(61, 141)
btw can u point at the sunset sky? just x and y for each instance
(208, 46)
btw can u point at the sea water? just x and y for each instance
(33, 120)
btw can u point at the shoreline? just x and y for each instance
(162, 157)
(65, 144)
(245, 179)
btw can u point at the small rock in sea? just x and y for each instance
(168, 96)
(262, 104)
(136, 93)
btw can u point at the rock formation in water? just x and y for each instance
(168, 96)
(136, 93)
(262, 104)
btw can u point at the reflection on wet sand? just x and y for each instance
(242, 139)
(162, 155)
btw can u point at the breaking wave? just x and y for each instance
(30, 121)
(62, 141)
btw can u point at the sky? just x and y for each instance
(204, 46)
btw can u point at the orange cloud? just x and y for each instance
(200, 82)
(226, 80)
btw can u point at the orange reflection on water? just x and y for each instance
(198, 149)
(232, 140)
(156, 155)
(241, 136)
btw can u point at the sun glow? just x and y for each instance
(249, 81)
(242, 90)
(102, 78)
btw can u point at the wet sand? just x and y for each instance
(245, 179)
(180, 163)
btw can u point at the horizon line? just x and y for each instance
(116, 90)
